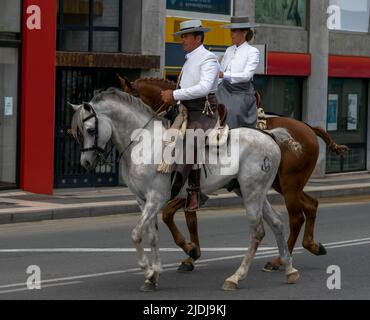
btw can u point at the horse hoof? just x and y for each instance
(185, 267)
(293, 278)
(149, 286)
(229, 286)
(193, 253)
(270, 267)
(322, 251)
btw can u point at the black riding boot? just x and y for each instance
(177, 182)
(193, 199)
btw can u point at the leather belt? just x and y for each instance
(198, 104)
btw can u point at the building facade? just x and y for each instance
(318, 63)
(57, 51)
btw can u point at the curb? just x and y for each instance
(36, 214)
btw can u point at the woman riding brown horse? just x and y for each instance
(293, 175)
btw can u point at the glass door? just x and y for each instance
(347, 123)
(8, 116)
(10, 28)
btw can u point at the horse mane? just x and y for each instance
(136, 103)
(113, 94)
(156, 81)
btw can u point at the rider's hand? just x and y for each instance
(167, 97)
(221, 75)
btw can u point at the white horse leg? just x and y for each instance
(257, 234)
(149, 213)
(273, 218)
(153, 235)
(137, 238)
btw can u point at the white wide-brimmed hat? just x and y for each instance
(240, 23)
(191, 26)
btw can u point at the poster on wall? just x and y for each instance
(352, 116)
(333, 112)
(8, 106)
(206, 6)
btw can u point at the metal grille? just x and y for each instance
(75, 86)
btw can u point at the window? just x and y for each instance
(89, 25)
(347, 123)
(222, 7)
(281, 95)
(281, 12)
(10, 15)
(354, 15)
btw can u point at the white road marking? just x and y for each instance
(259, 255)
(43, 287)
(128, 250)
(348, 245)
(131, 270)
(120, 250)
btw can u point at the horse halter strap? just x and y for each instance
(95, 147)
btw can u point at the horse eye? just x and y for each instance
(91, 131)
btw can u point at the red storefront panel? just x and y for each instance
(288, 64)
(349, 67)
(38, 92)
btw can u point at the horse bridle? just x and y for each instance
(93, 115)
(100, 151)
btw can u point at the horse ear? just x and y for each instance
(75, 107)
(125, 84)
(87, 106)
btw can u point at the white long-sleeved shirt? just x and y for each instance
(240, 63)
(199, 76)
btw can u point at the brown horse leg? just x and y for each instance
(310, 206)
(168, 218)
(191, 220)
(296, 220)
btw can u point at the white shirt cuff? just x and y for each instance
(227, 76)
(177, 94)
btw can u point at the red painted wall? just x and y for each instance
(38, 100)
(349, 67)
(288, 64)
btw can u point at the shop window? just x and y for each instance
(347, 123)
(89, 25)
(281, 12)
(281, 95)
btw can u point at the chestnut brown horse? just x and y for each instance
(294, 173)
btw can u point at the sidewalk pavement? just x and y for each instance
(19, 206)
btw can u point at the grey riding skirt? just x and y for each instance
(240, 102)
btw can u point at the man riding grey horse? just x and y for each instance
(196, 90)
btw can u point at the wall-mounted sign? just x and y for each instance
(207, 6)
(352, 117)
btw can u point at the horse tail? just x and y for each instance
(284, 138)
(339, 149)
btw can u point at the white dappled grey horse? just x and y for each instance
(115, 115)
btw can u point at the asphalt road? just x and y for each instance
(93, 258)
